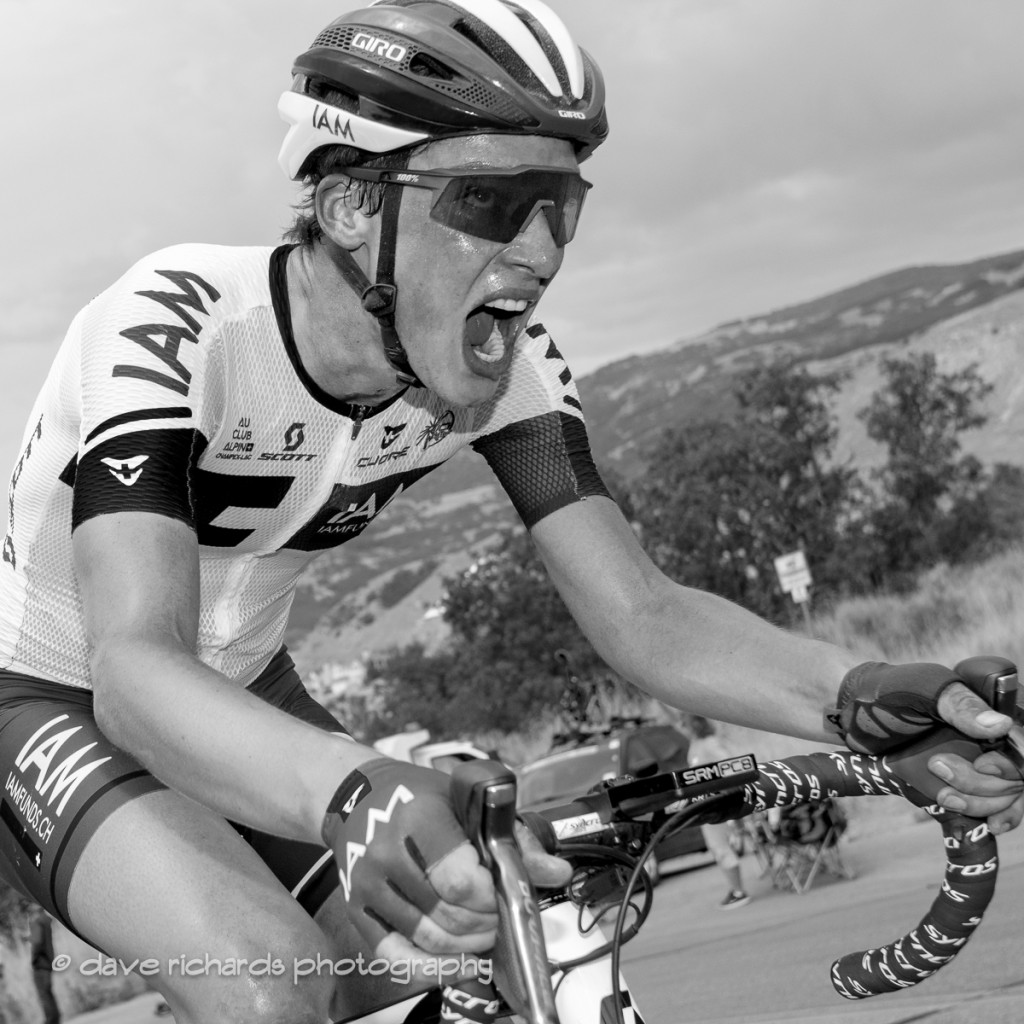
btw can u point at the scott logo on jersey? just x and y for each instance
(293, 437)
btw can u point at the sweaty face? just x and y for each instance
(463, 300)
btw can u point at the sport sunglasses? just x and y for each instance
(494, 204)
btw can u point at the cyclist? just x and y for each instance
(218, 416)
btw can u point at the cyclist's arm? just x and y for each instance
(209, 739)
(697, 651)
(202, 735)
(686, 647)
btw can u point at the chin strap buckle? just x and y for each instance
(379, 299)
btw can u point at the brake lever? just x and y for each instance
(484, 800)
(1013, 747)
(995, 680)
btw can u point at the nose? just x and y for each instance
(534, 247)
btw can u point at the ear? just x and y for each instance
(340, 220)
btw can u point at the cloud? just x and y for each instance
(762, 151)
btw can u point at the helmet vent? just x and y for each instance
(429, 67)
(590, 74)
(488, 41)
(550, 51)
(329, 93)
(477, 96)
(338, 37)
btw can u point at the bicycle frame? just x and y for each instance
(581, 995)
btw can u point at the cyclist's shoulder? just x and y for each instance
(535, 345)
(198, 276)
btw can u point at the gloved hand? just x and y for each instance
(882, 708)
(412, 880)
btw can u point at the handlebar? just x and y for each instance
(970, 873)
(484, 795)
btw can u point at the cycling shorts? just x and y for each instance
(62, 777)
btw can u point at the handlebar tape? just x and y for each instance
(970, 876)
(970, 880)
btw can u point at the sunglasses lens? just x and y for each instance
(476, 206)
(497, 207)
(569, 210)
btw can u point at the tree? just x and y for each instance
(724, 498)
(701, 512)
(986, 519)
(918, 415)
(412, 686)
(498, 670)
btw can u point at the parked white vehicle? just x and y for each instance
(414, 747)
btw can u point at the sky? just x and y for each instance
(762, 153)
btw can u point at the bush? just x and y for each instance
(955, 612)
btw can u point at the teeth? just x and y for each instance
(509, 305)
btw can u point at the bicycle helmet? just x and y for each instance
(400, 73)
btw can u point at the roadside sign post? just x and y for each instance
(795, 580)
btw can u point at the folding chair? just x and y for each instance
(806, 843)
(759, 837)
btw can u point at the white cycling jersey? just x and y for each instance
(179, 391)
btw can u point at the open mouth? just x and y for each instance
(491, 330)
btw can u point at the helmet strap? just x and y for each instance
(381, 297)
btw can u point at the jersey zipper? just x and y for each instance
(357, 420)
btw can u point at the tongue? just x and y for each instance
(478, 328)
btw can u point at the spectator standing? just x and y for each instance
(705, 746)
(41, 953)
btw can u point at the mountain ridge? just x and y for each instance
(888, 309)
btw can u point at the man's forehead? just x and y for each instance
(495, 150)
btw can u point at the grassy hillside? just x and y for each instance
(954, 613)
